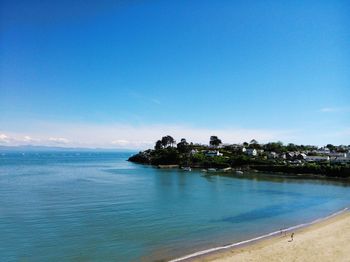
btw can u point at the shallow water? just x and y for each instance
(84, 206)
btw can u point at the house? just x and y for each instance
(322, 151)
(251, 152)
(340, 159)
(213, 153)
(337, 154)
(290, 155)
(272, 155)
(235, 147)
(244, 149)
(301, 156)
(317, 158)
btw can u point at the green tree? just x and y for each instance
(274, 147)
(254, 144)
(214, 141)
(167, 141)
(292, 147)
(330, 147)
(183, 146)
(158, 145)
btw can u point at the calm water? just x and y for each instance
(98, 207)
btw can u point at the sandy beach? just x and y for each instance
(328, 240)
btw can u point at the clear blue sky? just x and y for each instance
(121, 73)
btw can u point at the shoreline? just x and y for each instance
(208, 254)
(244, 168)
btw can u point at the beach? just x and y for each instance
(328, 240)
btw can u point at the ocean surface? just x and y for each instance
(95, 206)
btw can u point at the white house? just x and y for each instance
(251, 152)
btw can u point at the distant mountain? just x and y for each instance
(29, 148)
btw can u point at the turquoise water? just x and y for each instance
(71, 206)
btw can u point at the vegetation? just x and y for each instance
(270, 157)
(214, 141)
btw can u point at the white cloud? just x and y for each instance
(15, 139)
(142, 136)
(58, 140)
(137, 136)
(4, 138)
(120, 142)
(28, 139)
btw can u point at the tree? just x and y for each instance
(274, 146)
(171, 140)
(292, 147)
(167, 141)
(158, 145)
(183, 146)
(214, 141)
(254, 144)
(330, 147)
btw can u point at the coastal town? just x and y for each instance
(338, 154)
(328, 160)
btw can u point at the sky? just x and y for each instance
(122, 74)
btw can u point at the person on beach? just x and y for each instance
(291, 237)
(282, 230)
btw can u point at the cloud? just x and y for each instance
(58, 140)
(122, 143)
(4, 138)
(28, 139)
(126, 136)
(15, 139)
(136, 136)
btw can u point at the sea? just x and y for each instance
(97, 206)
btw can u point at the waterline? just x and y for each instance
(265, 236)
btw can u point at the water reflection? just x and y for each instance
(282, 178)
